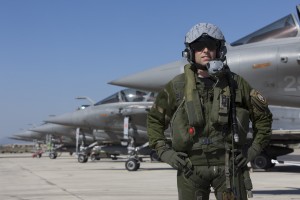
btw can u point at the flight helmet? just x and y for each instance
(205, 34)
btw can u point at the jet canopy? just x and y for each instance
(129, 95)
(283, 28)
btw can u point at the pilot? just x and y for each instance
(139, 96)
(209, 108)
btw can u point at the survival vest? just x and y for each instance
(189, 120)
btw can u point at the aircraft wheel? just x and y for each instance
(82, 158)
(114, 157)
(261, 161)
(52, 155)
(94, 157)
(132, 164)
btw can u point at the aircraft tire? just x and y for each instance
(94, 157)
(114, 157)
(52, 155)
(82, 158)
(261, 161)
(132, 164)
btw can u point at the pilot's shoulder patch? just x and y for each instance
(258, 96)
(258, 101)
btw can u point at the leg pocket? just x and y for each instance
(190, 190)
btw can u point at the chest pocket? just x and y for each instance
(220, 107)
(221, 112)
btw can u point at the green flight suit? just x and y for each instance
(211, 134)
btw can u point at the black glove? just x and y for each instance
(173, 158)
(243, 158)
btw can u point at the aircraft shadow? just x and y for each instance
(154, 169)
(139, 170)
(285, 169)
(290, 191)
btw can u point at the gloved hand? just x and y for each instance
(173, 158)
(242, 159)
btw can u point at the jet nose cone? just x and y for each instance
(37, 129)
(50, 128)
(133, 81)
(152, 79)
(73, 119)
(27, 135)
(42, 129)
(64, 119)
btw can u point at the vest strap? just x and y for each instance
(192, 98)
(205, 142)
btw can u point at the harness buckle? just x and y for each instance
(206, 141)
(187, 172)
(188, 169)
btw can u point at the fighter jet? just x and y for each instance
(105, 140)
(118, 119)
(59, 137)
(27, 136)
(109, 114)
(61, 143)
(269, 59)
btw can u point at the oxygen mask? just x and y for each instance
(215, 67)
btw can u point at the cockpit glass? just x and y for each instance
(132, 95)
(129, 95)
(282, 28)
(111, 99)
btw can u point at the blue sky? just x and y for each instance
(53, 51)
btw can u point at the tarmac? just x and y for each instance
(25, 178)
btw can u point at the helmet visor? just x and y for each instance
(206, 42)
